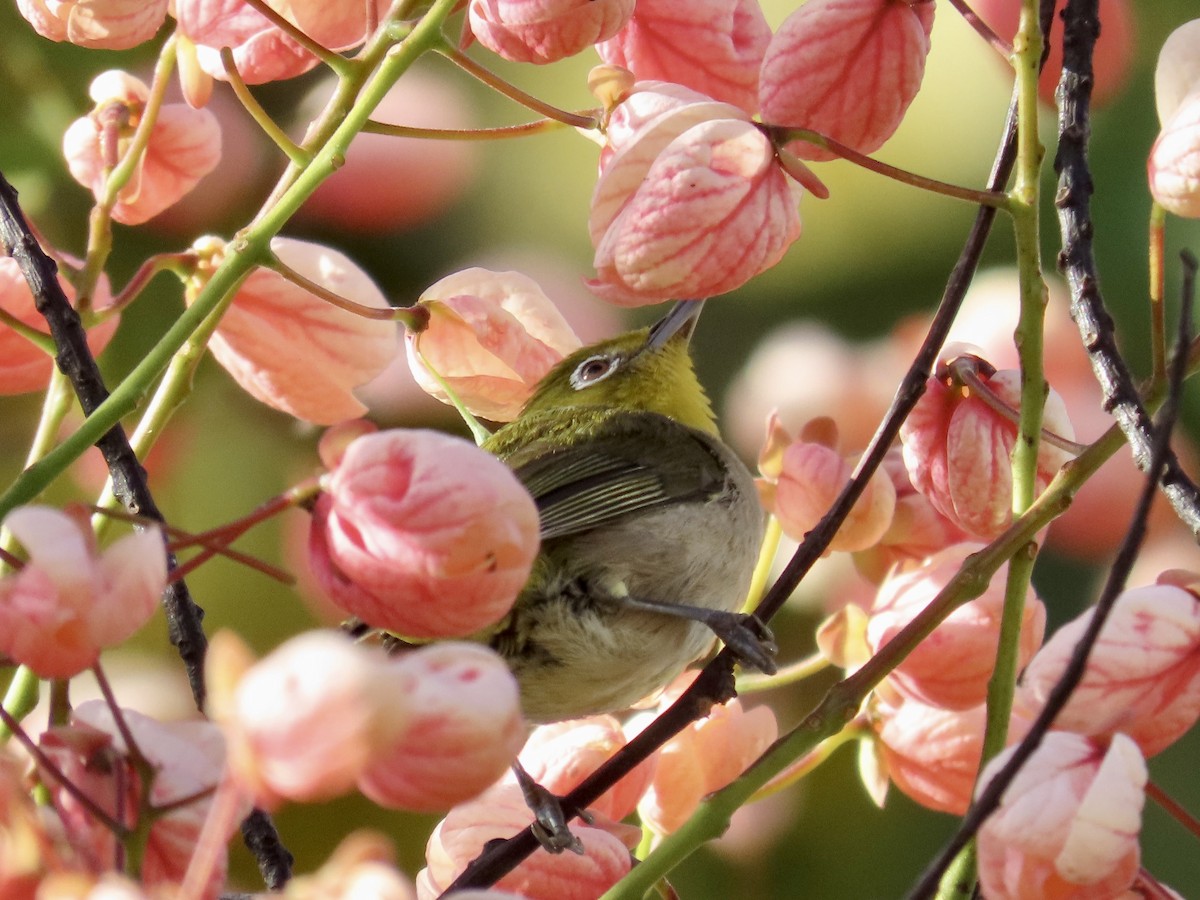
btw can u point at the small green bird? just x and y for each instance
(650, 526)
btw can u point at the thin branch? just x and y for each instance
(1081, 28)
(298, 155)
(338, 63)
(502, 132)
(997, 43)
(413, 318)
(989, 798)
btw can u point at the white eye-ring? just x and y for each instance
(594, 369)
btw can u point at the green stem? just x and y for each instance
(503, 132)
(333, 60)
(1158, 326)
(39, 339)
(249, 248)
(277, 135)
(843, 701)
(413, 318)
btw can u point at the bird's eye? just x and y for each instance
(593, 369)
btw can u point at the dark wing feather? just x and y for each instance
(619, 463)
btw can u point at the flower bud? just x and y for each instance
(544, 31)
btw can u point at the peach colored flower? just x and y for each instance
(846, 68)
(501, 813)
(492, 336)
(1142, 677)
(544, 31)
(261, 51)
(1177, 73)
(423, 534)
(1174, 164)
(390, 183)
(188, 758)
(561, 755)
(952, 666)
(704, 757)
(293, 350)
(24, 367)
(714, 46)
(1067, 826)
(464, 732)
(304, 722)
(184, 146)
(803, 476)
(691, 201)
(362, 866)
(33, 847)
(1113, 56)
(958, 450)
(100, 24)
(69, 601)
(932, 754)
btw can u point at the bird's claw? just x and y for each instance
(549, 819)
(748, 637)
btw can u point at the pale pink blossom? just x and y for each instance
(691, 201)
(952, 666)
(501, 813)
(387, 182)
(544, 31)
(304, 722)
(559, 756)
(362, 866)
(188, 759)
(296, 351)
(464, 730)
(25, 367)
(1113, 55)
(932, 754)
(261, 51)
(713, 46)
(1067, 826)
(802, 478)
(705, 757)
(1143, 674)
(423, 534)
(491, 337)
(184, 146)
(958, 450)
(847, 69)
(69, 601)
(99, 24)
(1177, 73)
(1174, 164)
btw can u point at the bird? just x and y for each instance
(650, 527)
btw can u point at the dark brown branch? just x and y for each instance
(129, 482)
(1073, 200)
(989, 799)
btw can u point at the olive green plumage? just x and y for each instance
(641, 506)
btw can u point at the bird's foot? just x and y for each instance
(549, 819)
(744, 633)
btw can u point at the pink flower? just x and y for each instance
(295, 351)
(412, 518)
(1143, 675)
(261, 51)
(24, 367)
(561, 755)
(464, 730)
(690, 203)
(188, 758)
(1067, 827)
(100, 24)
(361, 866)
(500, 813)
(704, 757)
(847, 69)
(543, 31)
(1177, 73)
(492, 336)
(184, 146)
(952, 666)
(304, 722)
(803, 477)
(69, 601)
(1174, 164)
(714, 46)
(958, 450)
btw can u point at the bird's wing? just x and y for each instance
(619, 464)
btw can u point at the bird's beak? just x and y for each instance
(681, 320)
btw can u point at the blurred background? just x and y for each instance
(840, 313)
